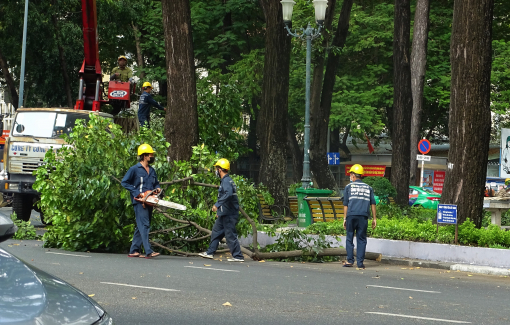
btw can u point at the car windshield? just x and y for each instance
(45, 124)
(426, 190)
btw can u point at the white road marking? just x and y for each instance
(134, 286)
(67, 254)
(370, 285)
(418, 317)
(210, 268)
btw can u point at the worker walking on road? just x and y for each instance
(144, 106)
(122, 72)
(139, 179)
(227, 215)
(358, 199)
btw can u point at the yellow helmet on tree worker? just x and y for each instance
(146, 84)
(357, 169)
(223, 164)
(144, 148)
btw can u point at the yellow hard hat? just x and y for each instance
(357, 169)
(122, 57)
(223, 163)
(507, 181)
(144, 148)
(146, 84)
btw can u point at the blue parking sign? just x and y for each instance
(447, 213)
(333, 158)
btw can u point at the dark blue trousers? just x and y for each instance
(144, 120)
(142, 229)
(225, 227)
(359, 225)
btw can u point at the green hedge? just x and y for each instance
(415, 224)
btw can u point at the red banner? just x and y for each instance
(438, 181)
(370, 170)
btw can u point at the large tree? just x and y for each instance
(272, 118)
(418, 65)
(402, 101)
(470, 114)
(181, 124)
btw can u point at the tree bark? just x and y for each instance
(418, 66)
(181, 121)
(319, 114)
(62, 60)
(470, 114)
(296, 154)
(272, 119)
(139, 53)
(402, 102)
(9, 80)
(334, 140)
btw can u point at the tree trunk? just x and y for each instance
(402, 102)
(334, 140)
(343, 144)
(418, 65)
(181, 121)
(9, 81)
(62, 60)
(319, 116)
(272, 119)
(470, 114)
(296, 154)
(139, 55)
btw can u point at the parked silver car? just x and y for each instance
(29, 296)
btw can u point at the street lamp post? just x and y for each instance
(309, 34)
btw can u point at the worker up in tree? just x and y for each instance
(144, 106)
(227, 215)
(358, 199)
(122, 72)
(139, 179)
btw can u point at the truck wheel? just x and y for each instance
(22, 205)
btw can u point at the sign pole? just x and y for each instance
(421, 173)
(456, 233)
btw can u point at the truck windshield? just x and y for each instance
(45, 124)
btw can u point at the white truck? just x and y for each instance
(34, 132)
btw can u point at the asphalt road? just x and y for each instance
(178, 290)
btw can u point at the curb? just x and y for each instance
(479, 269)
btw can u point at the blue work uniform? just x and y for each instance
(144, 108)
(228, 216)
(358, 197)
(137, 181)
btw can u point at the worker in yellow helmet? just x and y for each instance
(227, 215)
(122, 72)
(358, 199)
(144, 106)
(139, 179)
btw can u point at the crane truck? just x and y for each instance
(35, 131)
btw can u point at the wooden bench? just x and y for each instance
(293, 205)
(326, 209)
(273, 212)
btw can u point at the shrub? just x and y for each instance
(382, 186)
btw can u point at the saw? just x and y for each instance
(152, 199)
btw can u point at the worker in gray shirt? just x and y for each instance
(358, 199)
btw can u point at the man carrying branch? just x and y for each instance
(227, 215)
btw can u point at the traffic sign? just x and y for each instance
(447, 213)
(423, 158)
(333, 158)
(424, 146)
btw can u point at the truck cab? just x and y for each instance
(34, 132)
